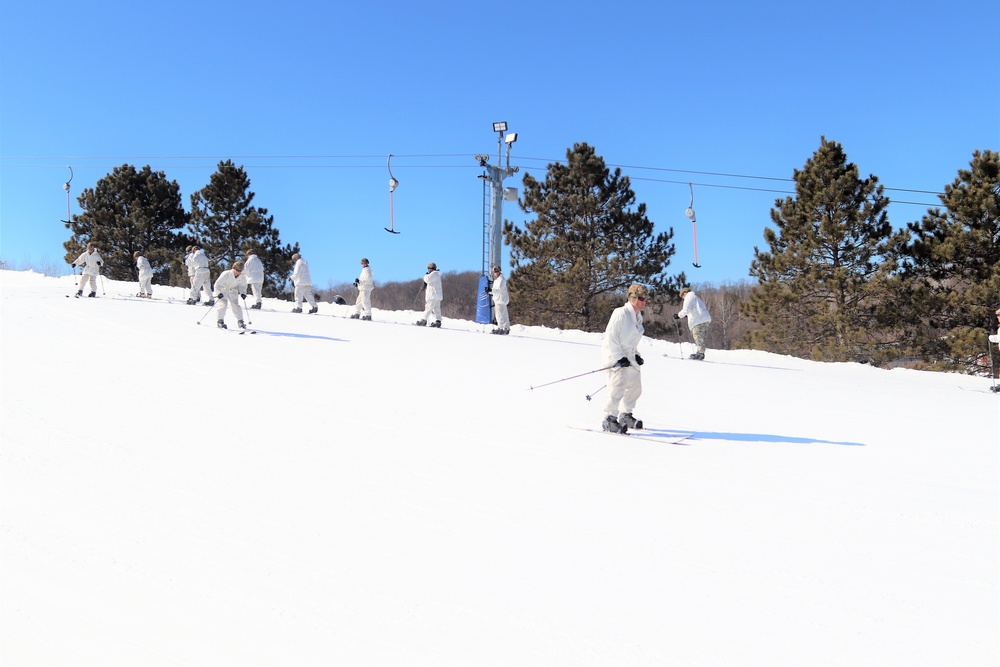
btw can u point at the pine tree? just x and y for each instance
(952, 276)
(225, 224)
(129, 211)
(820, 284)
(588, 243)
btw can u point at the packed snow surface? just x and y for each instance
(339, 492)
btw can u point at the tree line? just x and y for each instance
(837, 280)
(132, 210)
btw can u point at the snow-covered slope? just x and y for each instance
(345, 492)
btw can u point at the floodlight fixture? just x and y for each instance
(510, 138)
(500, 127)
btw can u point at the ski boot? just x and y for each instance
(366, 318)
(436, 324)
(612, 425)
(192, 302)
(421, 323)
(314, 310)
(355, 316)
(221, 324)
(210, 302)
(244, 326)
(92, 295)
(631, 422)
(296, 310)
(79, 294)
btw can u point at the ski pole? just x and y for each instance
(103, 292)
(207, 312)
(594, 393)
(574, 376)
(246, 309)
(680, 343)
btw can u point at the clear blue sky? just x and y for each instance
(310, 97)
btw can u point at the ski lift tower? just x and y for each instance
(493, 196)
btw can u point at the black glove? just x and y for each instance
(488, 289)
(639, 360)
(676, 316)
(624, 362)
(243, 296)
(357, 281)
(220, 296)
(100, 264)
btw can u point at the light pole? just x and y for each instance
(493, 220)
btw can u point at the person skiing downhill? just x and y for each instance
(91, 262)
(433, 295)
(619, 350)
(230, 287)
(303, 285)
(254, 274)
(145, 275)
(365, 285)
(698, 319)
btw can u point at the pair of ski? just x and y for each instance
(238, 330)
(661, 436)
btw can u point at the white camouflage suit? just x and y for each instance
(91, 262)
(188, 262)
(433, 295)
(303, 284)
(202, 276)
(500, 300)
(145, 276)
(254, 273)
(229, 287)
(621, 339)
(363, 304)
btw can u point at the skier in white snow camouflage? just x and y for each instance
(145, 275)
(91, 262)
(365, 285)
(230, 287)
(433, 295)
(698, 319)
(500, 300)
(254, 274)
(303, 285)
(620, 350)
(191, 269)
(202, 277)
